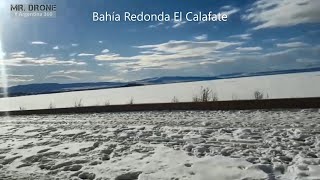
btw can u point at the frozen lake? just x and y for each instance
(275, 86)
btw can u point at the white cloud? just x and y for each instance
(201, 37)
(19, 78)
(170, 55)
(41, 61)
(100, 42)
(71, 71)
(74, 45)
(172, 58)
(177, 24)
(307, 61)
(283, 13)
(297, 38)
(111, 57)
(229, 10)
(62, 77)
(292, 45)
(18, 54)
(241, 36)
(38, 43)
(256, 48)
(155, 25)
(71, 74)
(111, 78)
(205, 56)
(226, 7)
(173, 46)
(46, 55)
(85, 54)
(171, 50)
(146, 52)
(293, 55)
(56, 48)
(125, 67)
(105, 51)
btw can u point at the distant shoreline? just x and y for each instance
(145, 82)
(266, 104)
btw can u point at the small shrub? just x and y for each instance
(195, 99)
(214, 97)
(267, 96)
(131, 101)
(22, 108)
(107, 103)
(51, 106)
(78, 103)
(258, 95)
(206, 95)
(175, 99)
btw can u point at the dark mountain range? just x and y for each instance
(46, 88)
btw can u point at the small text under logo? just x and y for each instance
(33, 10)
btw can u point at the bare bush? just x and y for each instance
(206, 95)
(131, 101)
(267, 96)
(78, 103)
(214, 97)
(175, 99)
(195, 99)
(107, 103)
(258, 95)
(51, 106)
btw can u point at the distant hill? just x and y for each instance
(46, 88)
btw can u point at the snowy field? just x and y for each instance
(197, 145)
(275, 86)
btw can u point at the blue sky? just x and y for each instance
(260, 35)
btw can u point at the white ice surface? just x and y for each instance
(276, 86)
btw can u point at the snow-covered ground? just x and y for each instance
(275, 86)
(199, 145)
